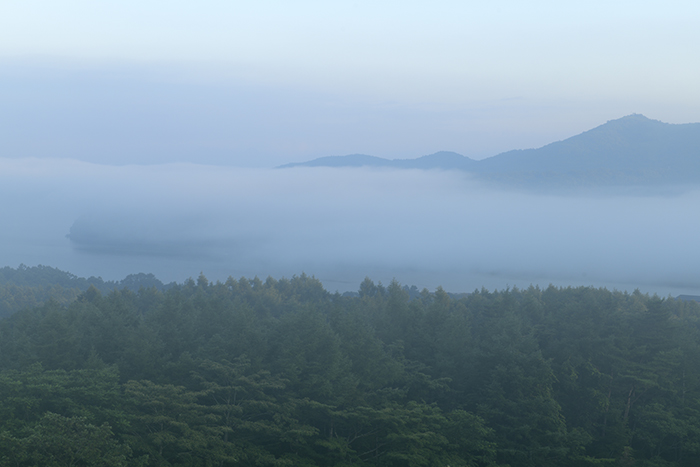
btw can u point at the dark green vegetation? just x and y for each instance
(283, 373)
(632, 150)
(26, 287)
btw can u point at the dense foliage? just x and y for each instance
(283, 373)
(26, 287)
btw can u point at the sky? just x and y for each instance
(259, 84)
(143, 136)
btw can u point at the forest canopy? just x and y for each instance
(282, 372)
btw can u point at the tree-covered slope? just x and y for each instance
(248, 372)
(25, 287)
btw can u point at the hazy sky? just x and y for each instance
(269, 82)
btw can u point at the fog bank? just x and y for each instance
(424, 228)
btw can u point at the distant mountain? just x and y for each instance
(440, 160)
(352, 160)
(633, 150)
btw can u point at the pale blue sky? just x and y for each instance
(306, 79)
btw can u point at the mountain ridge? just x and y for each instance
(440, 159)
(630, 150)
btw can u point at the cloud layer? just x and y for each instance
(423, 228)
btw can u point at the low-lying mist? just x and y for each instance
(426, 228)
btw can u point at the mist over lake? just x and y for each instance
(424, 228)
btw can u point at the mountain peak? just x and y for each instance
(631, 118)
(631, 121)
(633, 149)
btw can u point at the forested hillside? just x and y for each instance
(284, 373)
(25, 286)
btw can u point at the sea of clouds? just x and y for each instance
(424, 228)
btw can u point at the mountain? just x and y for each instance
(352, 160)
(444, 160)
(632, 150)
